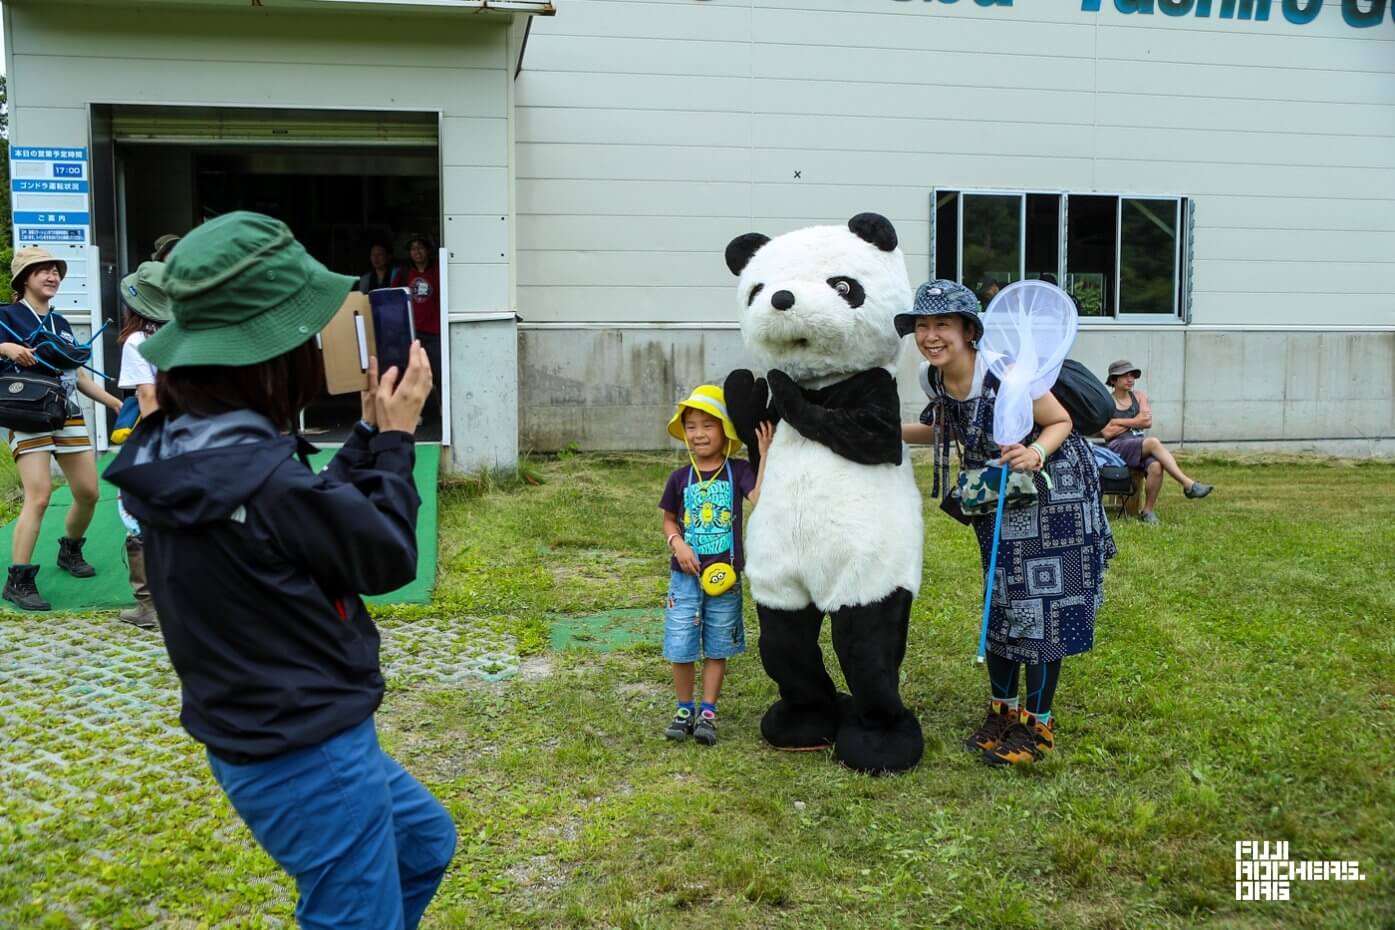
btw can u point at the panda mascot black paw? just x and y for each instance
(838, 528)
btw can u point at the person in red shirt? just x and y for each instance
(422, 276)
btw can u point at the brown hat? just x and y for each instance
(1122, 367)
(163, 246)
(27, 258)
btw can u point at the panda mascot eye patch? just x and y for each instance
(837, 531)
(849, 289)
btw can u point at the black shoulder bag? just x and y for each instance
(32, 402)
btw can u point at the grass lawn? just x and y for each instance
(1242, 687)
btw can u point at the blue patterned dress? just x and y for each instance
(1052, 555)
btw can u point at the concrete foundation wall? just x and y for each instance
(614, 388)
(483, 392)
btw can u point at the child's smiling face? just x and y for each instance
(704, 434)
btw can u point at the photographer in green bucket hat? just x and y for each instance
(257, 566)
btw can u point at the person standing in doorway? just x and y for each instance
(28, 323)
(381, 272)
(422, 276)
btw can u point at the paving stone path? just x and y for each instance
(91, 750)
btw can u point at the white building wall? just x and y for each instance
(650, 132)
(64, 57)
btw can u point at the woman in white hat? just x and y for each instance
(37, 334)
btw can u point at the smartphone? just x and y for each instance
(393, 330)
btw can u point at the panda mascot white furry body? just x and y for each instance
(838, 530)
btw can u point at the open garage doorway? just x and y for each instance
(343, 181)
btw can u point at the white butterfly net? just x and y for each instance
(1028, 329)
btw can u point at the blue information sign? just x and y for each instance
(38, 153)
(28, 186)
(57, 218)
(52, 234)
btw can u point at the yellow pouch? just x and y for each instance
(718, 578)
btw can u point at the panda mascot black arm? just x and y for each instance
(859, 418)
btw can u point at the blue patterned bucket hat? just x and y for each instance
(937, 298)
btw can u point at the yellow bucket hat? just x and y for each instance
(709, 399)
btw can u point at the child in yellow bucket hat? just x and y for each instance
(702, 523)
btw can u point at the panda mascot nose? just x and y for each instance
(782, 300)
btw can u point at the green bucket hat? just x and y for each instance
(243, 291)
(143, 290)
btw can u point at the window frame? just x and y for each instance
(1184, 208)
(1179, 208)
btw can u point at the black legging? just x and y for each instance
(1042, 679)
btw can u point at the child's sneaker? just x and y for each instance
(1026, 741)
(990, 732)
(705, 730)
(681, 726)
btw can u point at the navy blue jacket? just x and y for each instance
(256, 565)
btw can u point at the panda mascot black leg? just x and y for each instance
(806, 716)
(878, 734)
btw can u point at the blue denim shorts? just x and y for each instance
(696, 623)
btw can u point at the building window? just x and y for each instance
(1116, 255)
(1148, 245)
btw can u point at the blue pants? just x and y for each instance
(366, 844)
(695, 621)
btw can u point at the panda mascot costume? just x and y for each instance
(838, 530)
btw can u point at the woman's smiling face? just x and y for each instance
(940, 338)
(43, 281)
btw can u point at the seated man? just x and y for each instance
(1127, 435)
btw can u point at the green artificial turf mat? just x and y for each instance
(608, 631)
(110, 588)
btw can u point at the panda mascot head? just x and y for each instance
(820, 301)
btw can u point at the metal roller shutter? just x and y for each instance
(210, 125)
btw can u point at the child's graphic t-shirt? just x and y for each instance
(708, 507)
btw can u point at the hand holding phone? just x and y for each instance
(401, 396)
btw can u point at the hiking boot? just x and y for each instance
(143, 615)
(681, 726)
(1149, 518)
(70, 558)
(990, 732)
(705, 730)
(1025, 741)
(1198, 490)
(21, 590)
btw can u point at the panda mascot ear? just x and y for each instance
(873, 228)
(740, 250)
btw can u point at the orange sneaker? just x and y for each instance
(1028, 740)
(990, 733)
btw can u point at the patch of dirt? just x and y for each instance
(535, 668)
(640, 689)
(538, 875)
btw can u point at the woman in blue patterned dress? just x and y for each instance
(1053, 552)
